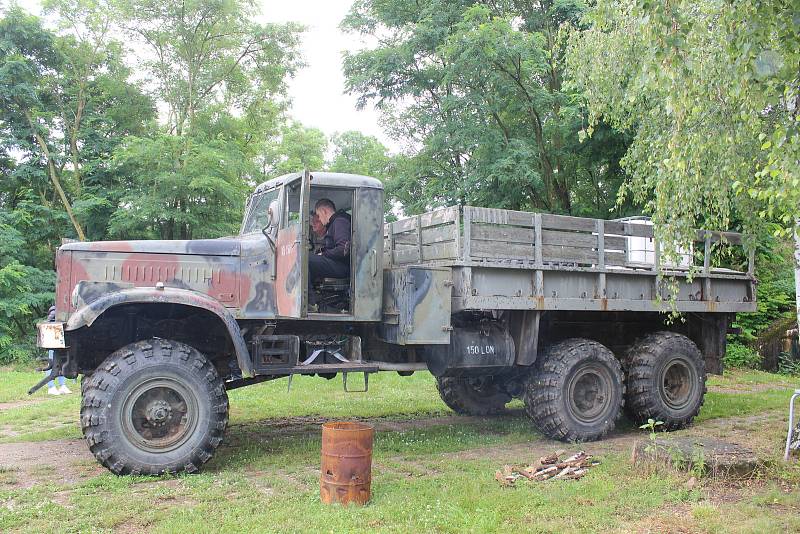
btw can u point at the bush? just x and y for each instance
(787, 365)
(741, 356)
(26, 292)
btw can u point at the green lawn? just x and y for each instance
(433, 472)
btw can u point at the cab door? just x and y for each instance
(291, 251)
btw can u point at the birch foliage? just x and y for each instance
(709, 91)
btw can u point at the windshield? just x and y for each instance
(257, 215)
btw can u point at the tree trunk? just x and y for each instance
(73, 139)
(56, 183)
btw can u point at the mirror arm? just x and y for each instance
(269, 237)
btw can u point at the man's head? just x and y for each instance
(324, 208)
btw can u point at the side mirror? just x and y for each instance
(266, 230)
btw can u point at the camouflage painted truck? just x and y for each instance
(565, 313)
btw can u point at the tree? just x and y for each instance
(211, 52)
(221, 78)
(25, 291)
(29, 94)
(710, 92)
(67, 104)
(476, 90)
(357, 153)
(179, 188)
(297, 147)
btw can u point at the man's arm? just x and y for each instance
(341, 240)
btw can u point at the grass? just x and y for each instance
(432, 472)
(14, 383)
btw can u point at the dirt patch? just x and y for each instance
(19, 404)
(676, 518)
(405, 467)
(381, 424)
(52, 461)
(261, 480)
(62, 498)
(736, 429)
(7, 431)
(129, 526)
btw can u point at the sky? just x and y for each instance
(317, 91)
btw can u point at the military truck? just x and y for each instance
(565, 313)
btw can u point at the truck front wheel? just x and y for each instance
(575, 391)
(473, 395)
(153, 407)
(666, 379)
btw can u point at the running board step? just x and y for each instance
(323, 368)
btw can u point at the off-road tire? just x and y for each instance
(666, 380)
(84, 380)
(558, 394)
(171, 370)
(465, 397)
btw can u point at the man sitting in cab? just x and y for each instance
(333, 260)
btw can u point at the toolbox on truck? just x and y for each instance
(416, 305)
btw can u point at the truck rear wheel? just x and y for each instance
(473, 395)
(153, 407)
(576, 391)
(666, 379)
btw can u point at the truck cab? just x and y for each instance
(274, 238)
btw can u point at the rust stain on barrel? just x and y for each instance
(346, 471)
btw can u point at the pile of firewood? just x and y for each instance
(549, 467)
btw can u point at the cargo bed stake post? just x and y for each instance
(391, 244)
(656, 264)
(466, 276)
(601, 258)
(466, 246)
(457, 235)
(419, 237)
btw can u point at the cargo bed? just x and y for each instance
(513, 260)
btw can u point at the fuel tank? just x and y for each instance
(473, 350)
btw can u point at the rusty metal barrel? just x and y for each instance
(346, 472)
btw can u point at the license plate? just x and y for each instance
(50, 335)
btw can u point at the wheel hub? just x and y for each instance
(589, 394)
(676, 384)
(158, 413)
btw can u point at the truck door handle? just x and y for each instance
(374, 262)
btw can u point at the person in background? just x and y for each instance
(317, 236)
(52, 389)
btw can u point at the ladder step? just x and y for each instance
(274, 352)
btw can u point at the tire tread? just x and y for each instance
(458, 394)
(642, 356)
(97, 396)
(543, 389)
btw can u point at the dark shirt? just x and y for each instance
(336, 243)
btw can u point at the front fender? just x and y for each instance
(89, 313)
